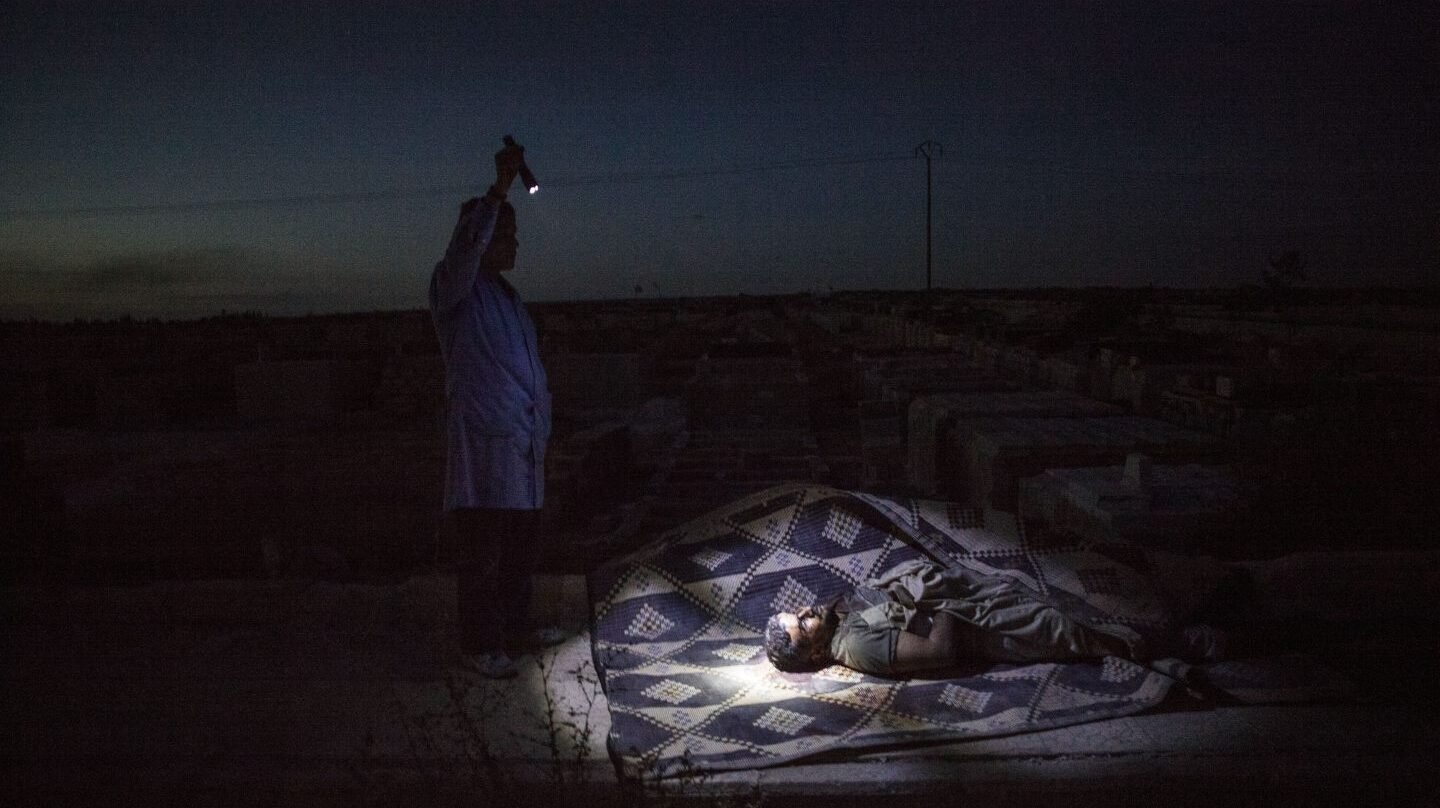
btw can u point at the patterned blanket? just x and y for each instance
(677, 633)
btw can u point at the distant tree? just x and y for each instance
(1162, 318)
(1105, 313)
(1286, 274)
(1288, 269)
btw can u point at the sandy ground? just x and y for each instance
(295, 692)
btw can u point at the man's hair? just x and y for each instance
(784, 654)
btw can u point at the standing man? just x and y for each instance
(497, 420)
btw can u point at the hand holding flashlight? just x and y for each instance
(507, 165)
(526, 175)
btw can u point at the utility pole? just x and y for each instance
(928, 149)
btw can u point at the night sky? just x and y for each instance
(706, 148)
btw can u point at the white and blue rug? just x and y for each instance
(677, 633)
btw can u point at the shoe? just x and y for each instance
(495, 665)
(536, 640)
(1203, 643)
(546, 636)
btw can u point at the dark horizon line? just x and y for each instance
(1417, 294)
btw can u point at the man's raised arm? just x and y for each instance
(455, 275)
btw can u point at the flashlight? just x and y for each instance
(526, 175)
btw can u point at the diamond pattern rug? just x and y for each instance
(677, 633)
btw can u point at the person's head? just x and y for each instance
(499, 255)
(800, 641)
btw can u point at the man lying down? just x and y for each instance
(919, 616)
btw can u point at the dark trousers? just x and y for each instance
(496, 553)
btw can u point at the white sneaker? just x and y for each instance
(496, 665)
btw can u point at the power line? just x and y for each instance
(626, 177)
(300, 200)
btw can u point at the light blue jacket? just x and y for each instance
(497, 396)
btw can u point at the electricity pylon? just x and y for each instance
(928, 149)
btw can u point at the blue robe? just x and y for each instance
(497, 396)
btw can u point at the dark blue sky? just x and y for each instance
(1086, 143)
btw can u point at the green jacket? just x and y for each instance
(1014, 625)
